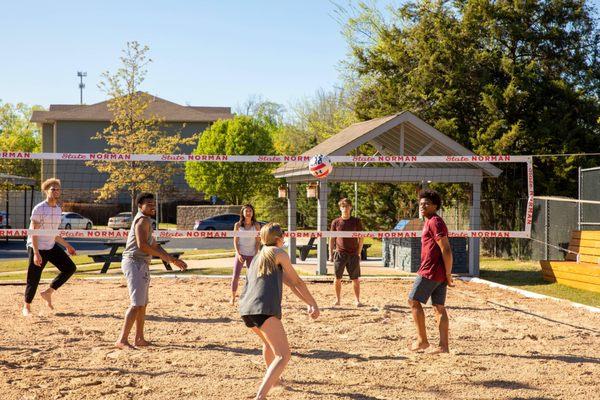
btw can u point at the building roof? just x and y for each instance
(171, 112)
(16, 180)
(399, 134)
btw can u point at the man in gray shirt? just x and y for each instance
(138, 253)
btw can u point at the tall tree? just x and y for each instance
(497, 76)
(134, 131)
(233, 182)
(17, 133)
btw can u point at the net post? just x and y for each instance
(475, 221)
(291, 214)
(321, 227)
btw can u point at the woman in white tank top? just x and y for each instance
(246, 247)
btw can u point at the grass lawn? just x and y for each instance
(85, 266)
(373, 252)
(527, 275)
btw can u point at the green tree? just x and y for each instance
(233, 182)
(134, 131)
(17, 133)
(499, 77)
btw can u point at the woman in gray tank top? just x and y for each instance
(260, 302)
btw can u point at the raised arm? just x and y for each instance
(297, 285)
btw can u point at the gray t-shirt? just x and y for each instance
(131, 248)
(262, 295)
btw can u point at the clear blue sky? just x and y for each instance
(213, 53)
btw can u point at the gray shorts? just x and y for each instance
(424, 288)
(350, 262)
(137, 274)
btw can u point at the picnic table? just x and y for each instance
(113, 256)
(306, 248)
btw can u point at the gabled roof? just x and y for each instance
(399, 134)
(171, 112)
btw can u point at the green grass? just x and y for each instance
(527, 275)
(373, 252)
(85, 262)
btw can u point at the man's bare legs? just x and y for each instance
(130, 318)
(273, 334)
(139, 327)
(419, 319)
(337, 284)
(441, 317)
(356, 287)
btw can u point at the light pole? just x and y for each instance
(81, 75)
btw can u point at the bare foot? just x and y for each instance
(232, 301)
(124, 345)
(142, 343)
(337, 303)
(26, 312)
(418, 346)
(439, 350)
(358, 303)
(47, 296)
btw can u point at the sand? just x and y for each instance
(503, 346)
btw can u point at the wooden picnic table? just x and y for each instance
(306, 248)
(112, 255)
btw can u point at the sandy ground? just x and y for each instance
(503, 346)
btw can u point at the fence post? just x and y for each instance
(546, 218)
(579, 184)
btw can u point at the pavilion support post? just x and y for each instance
(322, 252)
(292, 207)
(475, 224)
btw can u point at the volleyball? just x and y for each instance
(320, 166)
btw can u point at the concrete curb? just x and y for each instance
(527, 293)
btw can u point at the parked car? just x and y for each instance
(4, 220)
(223, 222)
(123, 221)
(71, 220)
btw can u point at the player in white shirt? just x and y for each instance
(43, 249)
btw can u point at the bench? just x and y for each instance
(306, 248)
(580, 269)
(107, 259)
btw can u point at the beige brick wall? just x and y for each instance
(187, 215)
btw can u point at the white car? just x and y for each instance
(123, 221)
(71, 220)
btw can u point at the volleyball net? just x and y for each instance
(482, 196)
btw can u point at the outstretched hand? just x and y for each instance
(180, 264)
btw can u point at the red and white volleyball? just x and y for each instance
(320, 166)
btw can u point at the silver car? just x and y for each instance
(123, 221)
(71, 220)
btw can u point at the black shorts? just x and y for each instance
(255, 320)
(351, 262)
(424, 288)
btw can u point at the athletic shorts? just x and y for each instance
(350, 262)
(256, 320)
(424, 288)
(137, 274)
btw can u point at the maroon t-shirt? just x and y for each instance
(346, 245)
(432, 263)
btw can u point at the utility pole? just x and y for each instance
(81, 74)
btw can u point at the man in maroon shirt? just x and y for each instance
(345, 252)
(434, 274)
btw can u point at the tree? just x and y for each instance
(17, 133)
(499, 77)
(233, 182)
(133, 131)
